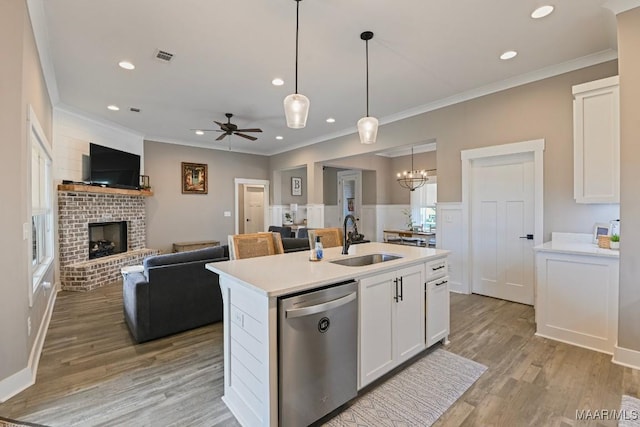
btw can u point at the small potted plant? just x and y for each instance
(615, 241)
(288, 219)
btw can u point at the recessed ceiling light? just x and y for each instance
(277, 82)
(279, 137)
(199, 132)
(126, 65)
(113, 107)
(331, 120)
(508, 54)
(542, 11)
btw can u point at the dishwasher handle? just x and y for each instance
(314, 309)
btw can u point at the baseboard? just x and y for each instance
(626, 357)
(26, 377)
(457, 288)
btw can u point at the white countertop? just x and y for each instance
(278, 275)
(577, 244)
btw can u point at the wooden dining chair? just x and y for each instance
(329, 237)
(253, 245)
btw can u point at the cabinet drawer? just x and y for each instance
(436, 268)
(437, 283)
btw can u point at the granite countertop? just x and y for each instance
(577, 244)
(278, 275)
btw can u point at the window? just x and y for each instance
(41, 203)
(423, 205)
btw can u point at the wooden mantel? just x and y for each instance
(80, 188)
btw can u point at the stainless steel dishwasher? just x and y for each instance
(318, 350)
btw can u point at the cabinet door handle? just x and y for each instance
(401, 289)
(395, 297)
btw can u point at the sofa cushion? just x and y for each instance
(188, 256)
(292, 244)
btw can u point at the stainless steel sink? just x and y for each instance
(362, 260)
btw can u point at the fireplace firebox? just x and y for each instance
(107, 238)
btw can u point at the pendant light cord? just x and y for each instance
(367, 56)
(297, 29)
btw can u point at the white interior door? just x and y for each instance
(502, 227)
(350, 194)
(253, 208)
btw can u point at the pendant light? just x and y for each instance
(413, 178)
(296, 105)
(367, 126)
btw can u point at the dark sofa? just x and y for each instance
(295, 244)
(173, 294)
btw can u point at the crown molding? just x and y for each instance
(619, 6)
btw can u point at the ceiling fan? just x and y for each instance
(230, 128)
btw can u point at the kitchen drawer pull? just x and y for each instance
(313, 309)
(437, 268)
(442, 283)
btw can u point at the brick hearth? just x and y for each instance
(80, 205)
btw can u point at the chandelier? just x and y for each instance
(413, 178)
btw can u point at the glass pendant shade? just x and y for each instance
(296, 110)
(368, 130)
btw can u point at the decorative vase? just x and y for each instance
(614, 245)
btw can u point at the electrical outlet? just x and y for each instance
(29, 326)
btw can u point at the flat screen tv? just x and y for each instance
(113, 168)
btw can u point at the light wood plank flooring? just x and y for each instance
(92, 374)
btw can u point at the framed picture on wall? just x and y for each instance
(194, 178)
(296, 186)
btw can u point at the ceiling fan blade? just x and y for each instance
(208, 130)
(249, 130)
(252, 138)
(221, 137)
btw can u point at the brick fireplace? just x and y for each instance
(78, 207)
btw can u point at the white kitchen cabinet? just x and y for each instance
(577, 293)
(437, 310)
(596, 141)
(392, 327)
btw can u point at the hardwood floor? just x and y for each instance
(92, 374)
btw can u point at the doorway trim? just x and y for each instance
(249, 181)
(536, 147)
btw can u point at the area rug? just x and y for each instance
(7, 422)
(629, 412)
(417, 396)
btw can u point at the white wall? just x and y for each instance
(72, 133)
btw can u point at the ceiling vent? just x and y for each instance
(164, 55)
(134, 109)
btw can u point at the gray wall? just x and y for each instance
(400, 164)
(286, 176)
(628, 43)
(541, 109)
(176, 217)
(21, 84)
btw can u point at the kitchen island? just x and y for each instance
(393, 323)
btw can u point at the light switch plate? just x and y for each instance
(227, 213)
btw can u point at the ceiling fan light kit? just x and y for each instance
(296, 105)
(367, 126)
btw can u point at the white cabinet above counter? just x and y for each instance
(596, 141)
